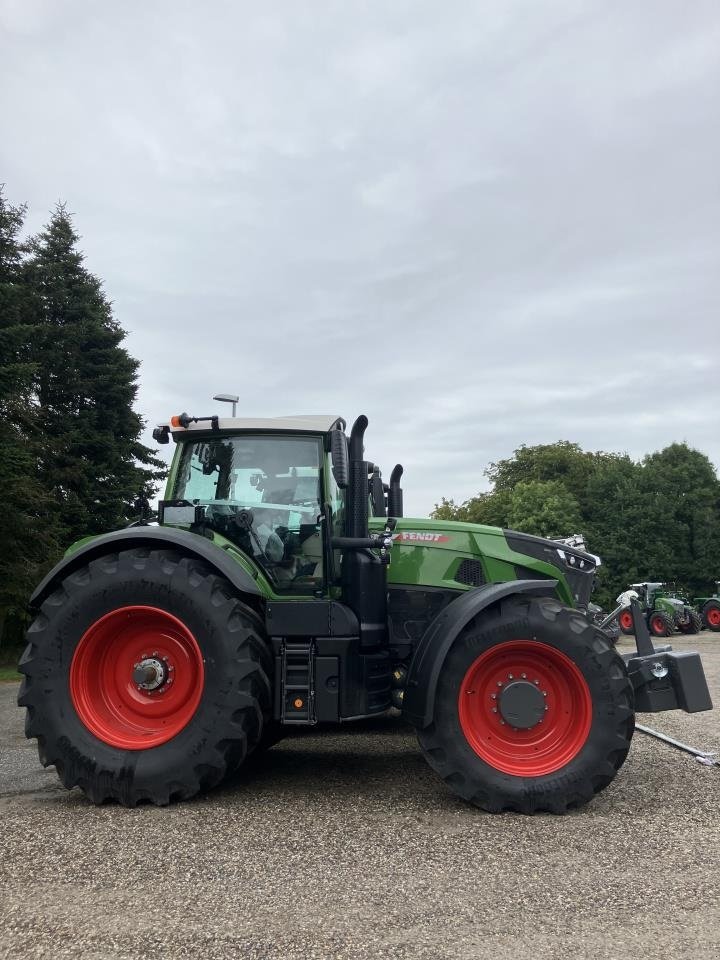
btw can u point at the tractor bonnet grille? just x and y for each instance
(470, 573)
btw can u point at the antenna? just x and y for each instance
(228, 398)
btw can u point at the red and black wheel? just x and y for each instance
(660, 624)
(533, 710)
(693, 624)
(711, 615)
(146, 678)
(625, 622)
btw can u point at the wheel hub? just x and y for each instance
(522, 704)
(150, 673)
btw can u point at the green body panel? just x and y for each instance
(428, 553)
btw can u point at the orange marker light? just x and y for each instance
(297, 703)
(181, 420)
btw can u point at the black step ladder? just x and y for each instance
(297, 679)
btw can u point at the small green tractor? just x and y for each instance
(665, 611)
(282, 587)
(709, 609)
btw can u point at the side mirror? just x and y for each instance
(339, 458)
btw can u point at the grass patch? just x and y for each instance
(9, 657)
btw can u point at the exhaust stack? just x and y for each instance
(395, 494)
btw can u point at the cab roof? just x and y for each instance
(311, 423)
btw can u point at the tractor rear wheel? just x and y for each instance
(146, 678)
(711, 615)
(625, 622)
(533, 710)
(661, 625)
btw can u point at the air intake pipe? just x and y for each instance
(395, 494)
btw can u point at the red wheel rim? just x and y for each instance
(106, 697)
(548, 745)
(713, 617)
(626, 620)
(657, 625)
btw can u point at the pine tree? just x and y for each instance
(92, 460)
(28, 532)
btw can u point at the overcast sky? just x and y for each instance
(482, 224)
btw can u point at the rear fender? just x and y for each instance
(435, 644)
(154, 538)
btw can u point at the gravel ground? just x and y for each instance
(345, 845)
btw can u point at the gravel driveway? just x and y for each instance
(345, 845)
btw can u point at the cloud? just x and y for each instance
(484, 226)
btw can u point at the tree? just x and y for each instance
(562, 461)
(486, 508)
(654, 520)
(545, 508)
(28, 532)
(92, 461)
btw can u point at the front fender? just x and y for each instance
(435, 643)
(154, 538)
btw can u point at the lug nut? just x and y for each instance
(493, 696)
(544, 693)
(510, 677)
(499, 683)
(494, 709)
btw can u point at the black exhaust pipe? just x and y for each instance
(357, 495)
(395, 494)
(364, 576)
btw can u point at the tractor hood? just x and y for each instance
(451, 555)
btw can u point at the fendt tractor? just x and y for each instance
(709, 609)
(665, 611)
(281, 586)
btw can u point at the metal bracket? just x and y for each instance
(706, 758)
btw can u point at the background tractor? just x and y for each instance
(709, 609)
(665, 612)
(282, 587)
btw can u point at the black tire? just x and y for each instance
(693, 624)
(603, 752)
(660, 624)
(235, 701)
(711, 610)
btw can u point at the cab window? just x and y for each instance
(276, 479)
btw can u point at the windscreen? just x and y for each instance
(278, 480)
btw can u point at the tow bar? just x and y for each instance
(707, 759)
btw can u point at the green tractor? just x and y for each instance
(709, 609)
(281, 587)
(665, 611)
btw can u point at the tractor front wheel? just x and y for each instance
(711, 615)
(693, 624)
(625, 622)
(533, 710)
(661, 625)
(146, 678)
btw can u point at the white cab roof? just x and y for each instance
(318, 423)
